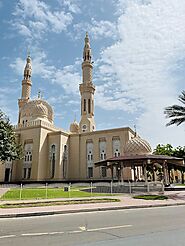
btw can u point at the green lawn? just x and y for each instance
(151, 197)
(38, 193)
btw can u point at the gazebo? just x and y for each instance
(138, 158)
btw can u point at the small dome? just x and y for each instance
(37, 108)
(74, 127)
(137, 146)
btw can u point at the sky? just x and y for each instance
(138, 49)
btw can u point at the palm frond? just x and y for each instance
(176, 112)
(182, 97)
(176, 121)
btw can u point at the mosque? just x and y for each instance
(53, 154)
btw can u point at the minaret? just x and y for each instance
(87, 89)
(26, 85)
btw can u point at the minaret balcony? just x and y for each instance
(87, 64)
(89, 87)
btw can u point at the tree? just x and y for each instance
(179, 152)
(170, 151)
(9, 148)
(164, 150)
(175, 112)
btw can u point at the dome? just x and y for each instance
(74, 127)
(137, 146)
(37, 108)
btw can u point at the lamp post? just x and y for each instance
(119, 168)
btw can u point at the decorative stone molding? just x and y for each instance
(89, 141)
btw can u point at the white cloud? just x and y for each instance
(69, 78)
(36, 17)
(23, 30)
(103, 29)
(151, 40)
(18, 66)
(73, 5)
(40, 66)
(97, 29)
(110, 99)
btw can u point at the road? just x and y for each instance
(155, 226)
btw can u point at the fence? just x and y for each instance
(75, 190)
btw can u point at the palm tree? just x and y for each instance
(176, 112)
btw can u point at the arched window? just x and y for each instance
(84, 105)
(89, 106)
(27, 160)
(53, 149)
(65, 148)
(90, 163)
(102, 148)
(65, 157)
(116, 146)
(84, 127)
(28, 155)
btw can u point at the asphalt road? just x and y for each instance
(139, 227)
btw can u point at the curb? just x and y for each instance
(44, 213)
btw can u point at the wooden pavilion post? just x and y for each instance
(134, 173)
(153, 172)
(172, 175)
(144, 172)
(112, 174)
(121, 166)
(165, 173)
(119, 173)
(169, 175)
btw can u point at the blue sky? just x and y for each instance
(138, 49)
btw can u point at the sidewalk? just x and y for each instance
(126, 202)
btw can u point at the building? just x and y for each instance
(53, 154)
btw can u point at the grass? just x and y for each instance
(48, 203)
(40, 193)
(151, 197)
